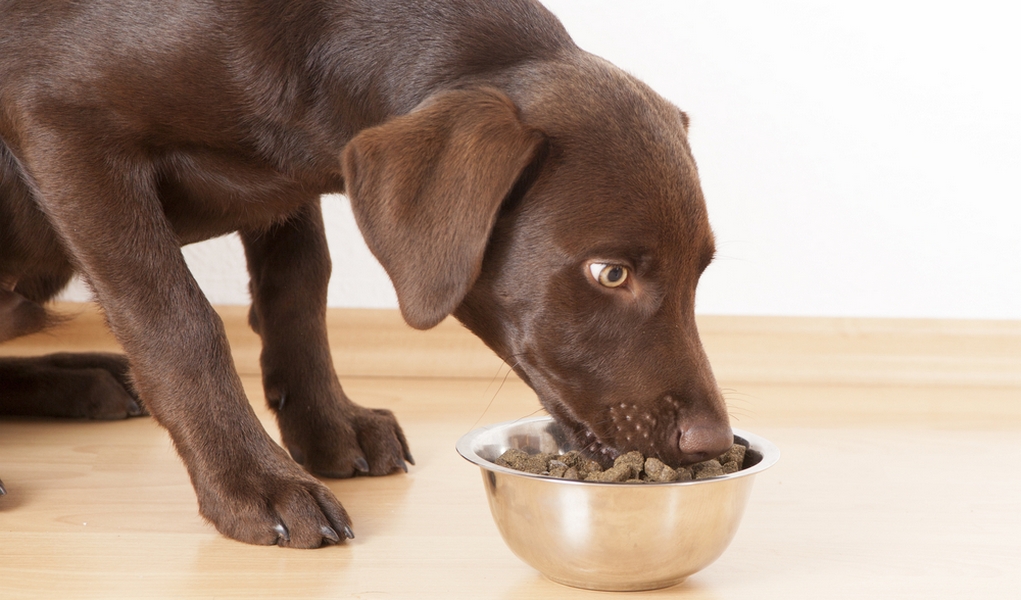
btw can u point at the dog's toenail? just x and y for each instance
(361, 465)
(329, 534)
(347, 532)
(282, 533)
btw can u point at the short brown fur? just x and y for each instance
(489, 163)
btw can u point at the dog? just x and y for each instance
(543, 197)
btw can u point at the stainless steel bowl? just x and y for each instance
(609, 536)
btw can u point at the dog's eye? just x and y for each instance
(610, 276)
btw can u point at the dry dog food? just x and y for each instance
(628, 468)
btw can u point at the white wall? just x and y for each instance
(859, 158)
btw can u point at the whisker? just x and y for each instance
(496, 393)
(495, 377)
(540, 409)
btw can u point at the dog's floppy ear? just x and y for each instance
(426, 189)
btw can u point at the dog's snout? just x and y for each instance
(704, 442)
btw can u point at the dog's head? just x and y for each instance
(567, 229)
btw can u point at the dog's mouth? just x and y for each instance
(583, 438)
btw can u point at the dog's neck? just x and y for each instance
(395, 56)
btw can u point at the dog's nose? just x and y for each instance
(704, 442)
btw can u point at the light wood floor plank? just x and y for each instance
(897, 479)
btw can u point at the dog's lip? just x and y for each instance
(584, 437)
(597, 446)
(586, 440)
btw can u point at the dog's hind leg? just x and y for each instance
(18, 315)
(87, 385)
(326, 432)
(59, 385)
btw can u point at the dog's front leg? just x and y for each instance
(322, 428)
(101, 200)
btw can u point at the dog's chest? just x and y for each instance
(207, 193)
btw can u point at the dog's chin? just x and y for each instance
(580, 436)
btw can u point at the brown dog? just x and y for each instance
(543, 197)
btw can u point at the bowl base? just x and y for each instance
(643, 586)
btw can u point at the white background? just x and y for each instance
(858, 158)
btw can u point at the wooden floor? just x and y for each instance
(899, 473)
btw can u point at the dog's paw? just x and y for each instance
(355, 441)
(99, 386)
(78, 386)
(278, 504)
(101, 396)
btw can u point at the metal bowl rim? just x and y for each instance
(770, 454)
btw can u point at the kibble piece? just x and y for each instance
(588, 467)
(657, 470)
(538, 463)
(572, 473)
(707, 469)
(556, 468)
(572, 458)
(685, 474)
(731, 467)
(632, 460)
(512, 459)
(520, 460)
(615, 474)
(735, 454)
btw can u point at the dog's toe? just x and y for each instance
(312, 518)
(382, 440)
(104, 397)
